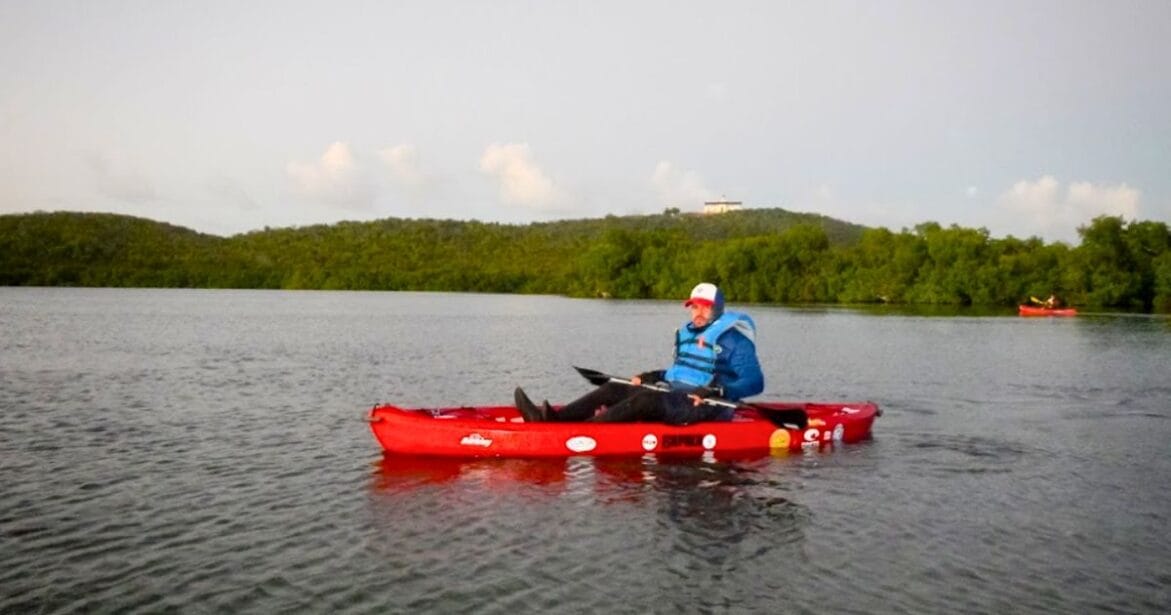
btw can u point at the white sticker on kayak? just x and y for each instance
(581, 444)
(649, 442)
(811, 435)
(839, 432)
(849, 410)
(709, 441)
(475, 440)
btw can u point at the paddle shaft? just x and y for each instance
(711, 401)
(797, 415)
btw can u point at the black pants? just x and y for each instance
(623, 404)
(628, 404)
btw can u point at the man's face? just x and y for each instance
(700, 314)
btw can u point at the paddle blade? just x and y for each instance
(595, 377)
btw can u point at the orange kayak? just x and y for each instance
(1032, 310)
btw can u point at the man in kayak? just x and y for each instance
(715, 356)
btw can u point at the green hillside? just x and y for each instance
(766, 255)
(94, 249)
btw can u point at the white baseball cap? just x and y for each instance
(704, 294)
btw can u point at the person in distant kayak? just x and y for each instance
(1049, 304)
(715, 356)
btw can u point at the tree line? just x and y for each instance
(758, 256)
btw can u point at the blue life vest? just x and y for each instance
(697, 355)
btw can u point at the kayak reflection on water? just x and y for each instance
(689, 489)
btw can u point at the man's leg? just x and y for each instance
(645, 405)
(584, 407)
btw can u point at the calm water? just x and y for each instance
(205, 451)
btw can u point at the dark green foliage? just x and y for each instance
(67, 249)
(769, 255)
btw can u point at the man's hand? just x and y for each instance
(698, 395)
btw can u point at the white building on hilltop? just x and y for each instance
(721, 206)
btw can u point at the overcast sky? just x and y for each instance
(1026, 118)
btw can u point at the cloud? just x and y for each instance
(335, 179)
(1092, 200)
(677, 188)
(117, 181)
(1044, 207)
(403, 163)
(521, 181)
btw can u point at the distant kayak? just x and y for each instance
(499, 431)
(1033, 310)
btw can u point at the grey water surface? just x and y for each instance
(204, 451)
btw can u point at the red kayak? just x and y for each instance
(499, 431)
(1032, 310)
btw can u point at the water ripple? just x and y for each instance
(205, 452)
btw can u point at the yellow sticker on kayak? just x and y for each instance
(779, 439)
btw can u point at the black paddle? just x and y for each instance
(790, 418)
